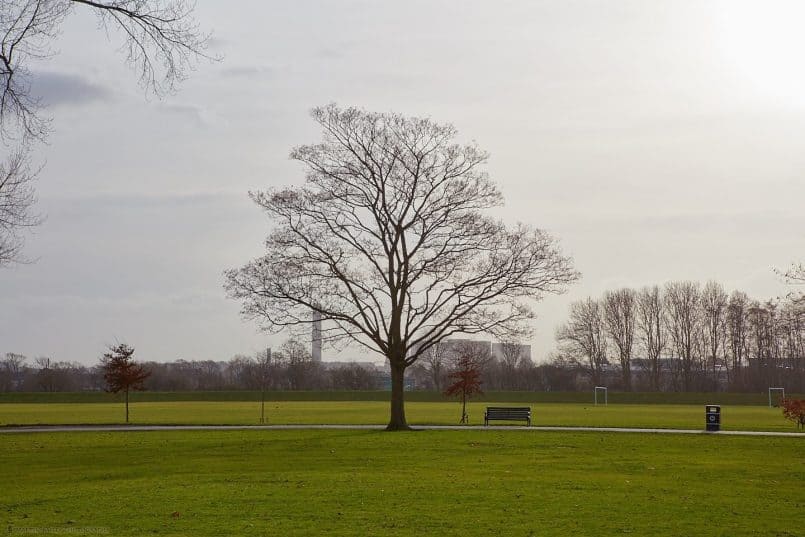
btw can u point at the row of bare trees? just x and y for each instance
(289, 368)
(685, 336)
(509, 369)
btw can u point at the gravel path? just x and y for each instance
(128, 428)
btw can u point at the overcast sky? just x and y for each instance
(658, 140)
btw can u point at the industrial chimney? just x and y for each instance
(316, 337)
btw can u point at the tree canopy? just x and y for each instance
(391, 240)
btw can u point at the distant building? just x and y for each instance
(495, 349)
(524, 351)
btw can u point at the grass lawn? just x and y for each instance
(421, 483)
(739, 417)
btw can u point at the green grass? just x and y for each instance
(669, 398)
(461, 483)
(738, 417)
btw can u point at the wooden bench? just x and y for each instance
(507, 413)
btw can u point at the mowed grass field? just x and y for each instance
(327, 482)
(737, 417)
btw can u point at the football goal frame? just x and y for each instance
(595, 394)
(781, 390)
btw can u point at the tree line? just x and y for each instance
(685, 336)
(289, 368)
(509, 369)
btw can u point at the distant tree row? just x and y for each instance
(508, 370)
(685, 336)
(290, 368)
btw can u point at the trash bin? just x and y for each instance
(712, 417)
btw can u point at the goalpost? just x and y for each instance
(781, 390)
(603, 389)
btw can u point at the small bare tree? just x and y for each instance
(465, 382)
(389, 240)
(121, 373)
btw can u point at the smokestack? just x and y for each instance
(316, 337)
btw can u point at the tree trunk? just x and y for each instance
(127, 406)
(626, 373)
(263, 406)
(397, 421)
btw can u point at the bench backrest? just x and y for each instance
(515, 412)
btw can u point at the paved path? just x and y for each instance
(124, 428)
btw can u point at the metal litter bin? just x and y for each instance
(712, 417)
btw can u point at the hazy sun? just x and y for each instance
(765, 42)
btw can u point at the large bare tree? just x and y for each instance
(715, 303)
(619, 315)
(683, 302)
(390, 240)
(160, 41)
(651, 322)
(737, 335)
(16, 200)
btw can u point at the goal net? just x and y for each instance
(600, 395)
(779, 395)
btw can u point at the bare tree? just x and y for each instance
(161, 41)
(737, 334)
(763, 350)
(435, 360)
(714, 321)
(583, 338)
(16, 200)
(619, 316)
(45, 376)
(301, 371)
(479, 352)
(389, 241)
(10, 371)
(683, 303)
(651, 323)
(511, 358)
(263, 363)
